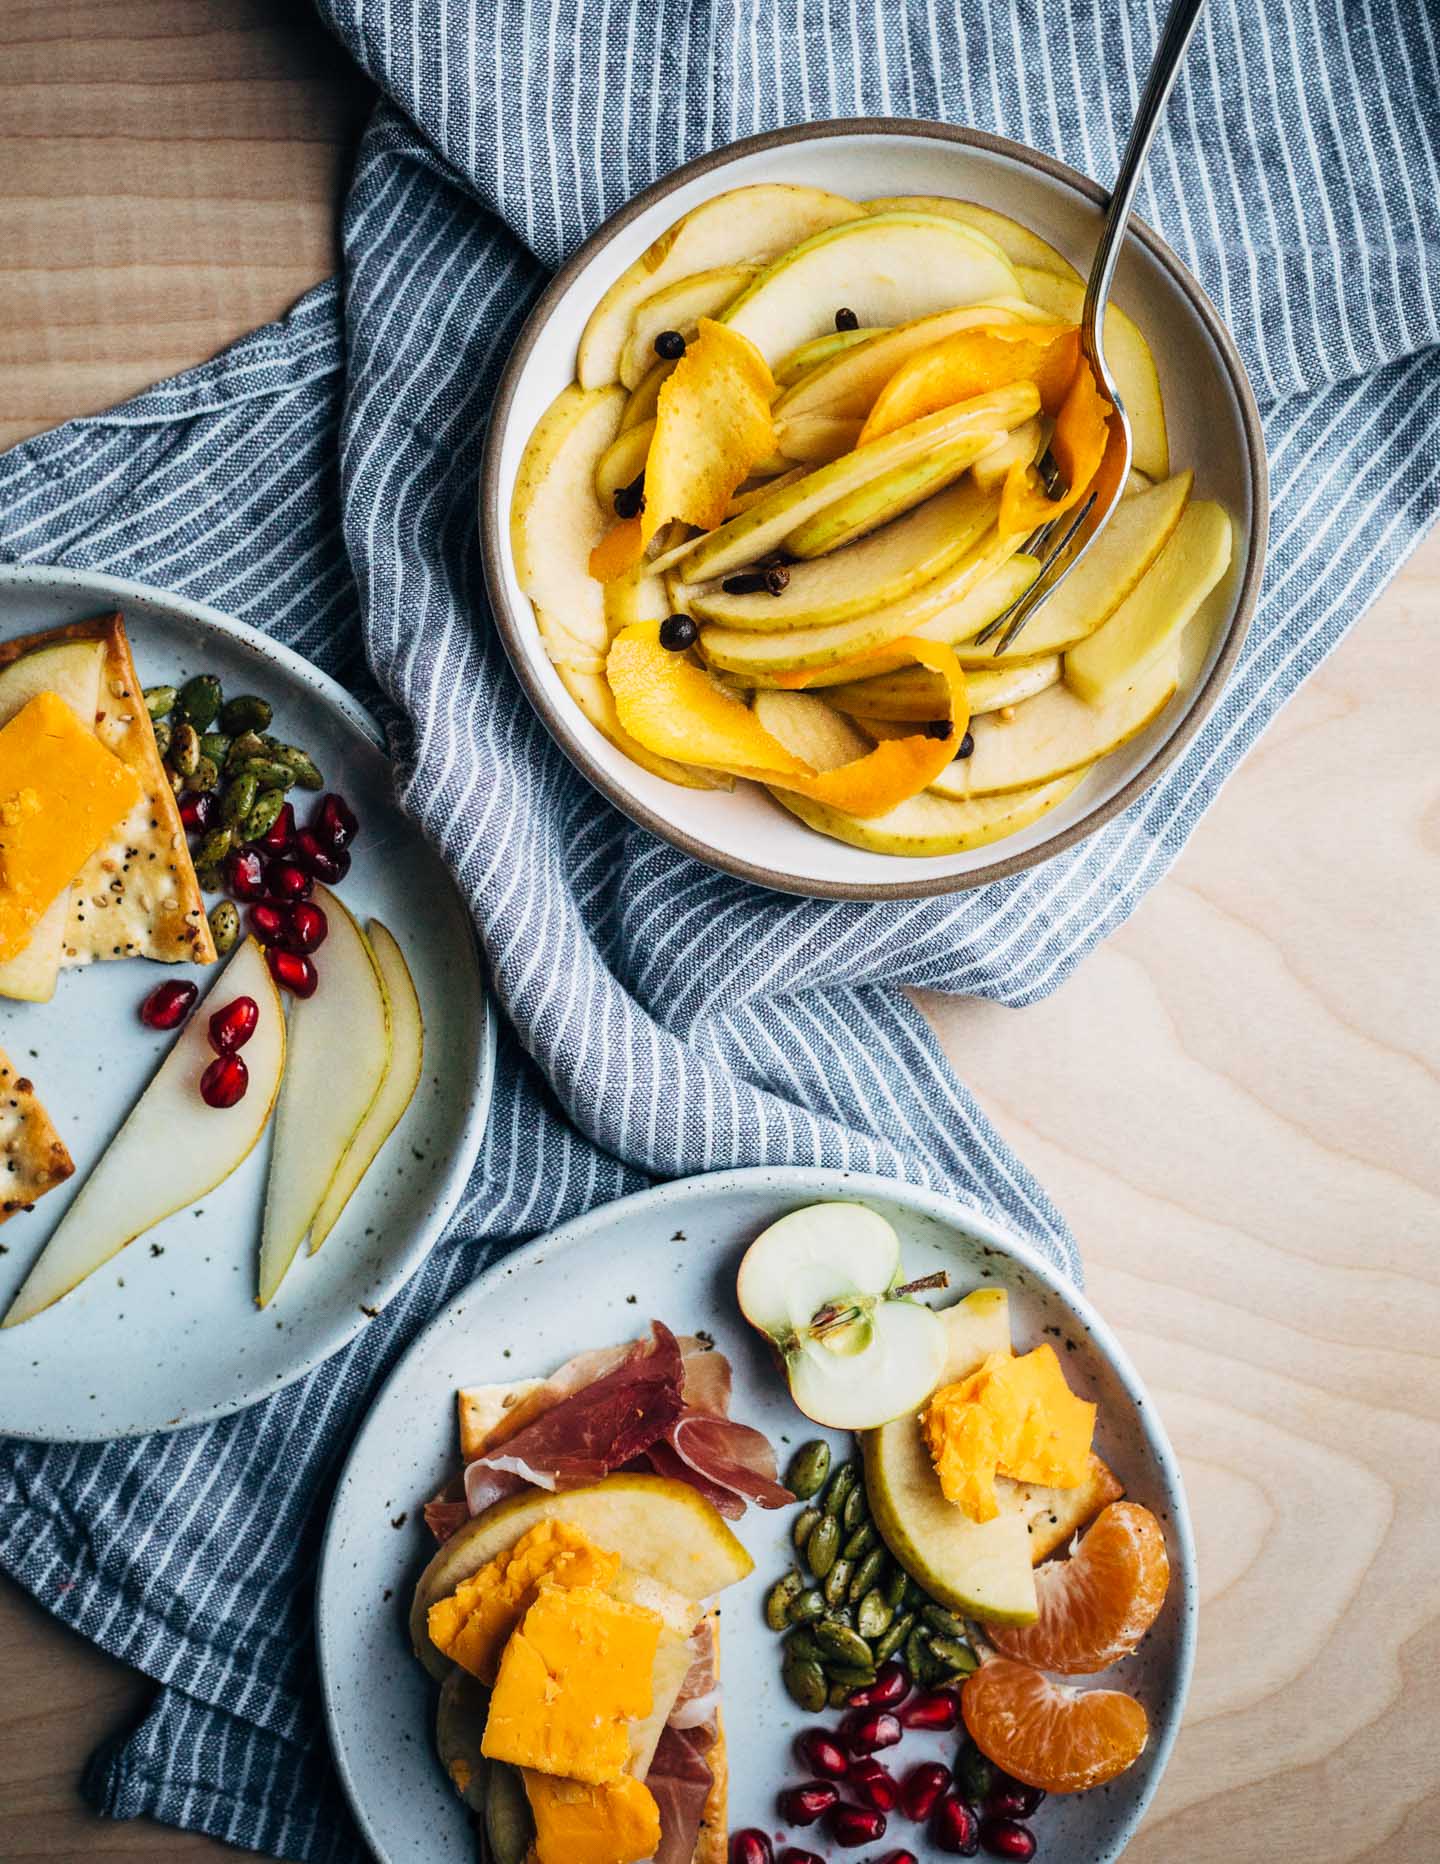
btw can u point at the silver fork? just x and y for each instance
(1064, 541)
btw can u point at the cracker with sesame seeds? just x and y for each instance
(33, 1156)
(137, 896)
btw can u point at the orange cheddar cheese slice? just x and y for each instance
(572, 1677)
(472, 1626)
(1013, 1417)
(61, 793)
(617, 1823)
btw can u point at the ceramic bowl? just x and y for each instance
(1213, 423)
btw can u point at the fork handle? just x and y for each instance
(1175, 36)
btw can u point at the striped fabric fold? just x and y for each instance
(318, 480)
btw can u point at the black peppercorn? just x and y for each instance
(967, 745)
(845, 319)
(677, 632)
(670, 346)
(777, 579)
(629, 501)
(773, 580)
(937, 728)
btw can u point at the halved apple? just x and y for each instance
(818, 350)
(872, 505)
(1129, 356)
(887, 268)
(1146, 627)
(338, 1055)
(678, 307)
(1054, 733)
(173, 1148)
(1017, 242)
(932, 825)
(883, 567)
(743, 226)
(555, 519)
(819, 1285)
(397, 1089)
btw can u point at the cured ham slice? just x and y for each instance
(699, 1695)
(728, 1455)
(680, 1778)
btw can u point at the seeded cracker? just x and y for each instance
(136, 897)
(33, 1158)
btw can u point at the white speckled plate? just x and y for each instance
(672, 1252)
(168, 1332)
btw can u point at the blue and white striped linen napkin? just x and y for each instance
(318, 480)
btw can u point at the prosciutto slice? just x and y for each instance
(699, 1695)
(728, 1456)
(680, 1780)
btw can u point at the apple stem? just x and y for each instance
(938, 1280)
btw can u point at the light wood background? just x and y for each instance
(1235, 1100)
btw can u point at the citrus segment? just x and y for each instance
(1047, 1734)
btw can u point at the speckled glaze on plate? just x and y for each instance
(672, 1252)
(167, 1333)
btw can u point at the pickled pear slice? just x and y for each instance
(555, 518)
(173, 1148)
(338, 1054)
(1017, 242)
(872, 505)
(930, 824)
(678, 307)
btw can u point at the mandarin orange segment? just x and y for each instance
(1096, 1606)
(1048, 1734)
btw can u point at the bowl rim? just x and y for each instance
(557, 718)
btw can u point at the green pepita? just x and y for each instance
(848, 1676)
(163, 734)
(842, 1645)
(839, 1491)
(822, 1549)
(213, 849)
(200, 700)
(215, 744)
(893, 1585)
(804, 1524)
(873, 1615)
(160, 700)
(224, 926)
(245, 712)
(205, 776)
(809, 1469)
(268, 772)
(239, 798)
(805, 1684)
(861, 1541)
(184, 752)
(857, 1508)
(208, 879)
(307, 771)
(916, 1655)
(955, 1658)
(800, 1644)
(837, 1582)
(886, 1645)
(261, 818)
(243, 747)
(809, 1605)
(839, 1697)
(780, 1598)
(942, 1622)
(974, 1775)
(866, 1573)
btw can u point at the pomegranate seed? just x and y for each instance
(1012, 1799)
(922, 1790)
(864, 1731)
(245, 874)
(336, 822)
(856, 1825)
(270, 924)
(751, 1847)
(792, 1856)
(1004, 1838)
(288, 883)
(937, 1710)
(309, 928)
(323, 863)
(232, 1027)
(822, 1755)
(168, 1005)
(803, 1805)
(197, 810)
(874, 1784)
(292, 971)
(225, 1081)
(891, 1685)
(899, 1857)
(281, 832)
(956, 1830)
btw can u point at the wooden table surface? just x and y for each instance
(1235, 1101)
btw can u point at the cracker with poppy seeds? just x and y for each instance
(33, 1156)
(137, 895)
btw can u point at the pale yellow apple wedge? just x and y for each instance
(678, 307)
(402, 1077)
(1146, 627)
(744, 226)
(928, 824)
(173, 1148)
(556, 519)
(887, 268)
(339, 1050)
(1017, 242)
(72, 670)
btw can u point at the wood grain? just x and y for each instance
(1234, 1100)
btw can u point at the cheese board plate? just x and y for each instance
(167, 1332)
(671, 1253)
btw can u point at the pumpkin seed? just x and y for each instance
(208, 879)
(843, 1645)
(800, 1644)
(839, 1695)
(873, 1615)
(215, 744)
(200, 699)
(916, 1654)
(893, 1585)
(837, 1582)
(509, 1826)
(809, 1469)
(866, 1573)
(224, 926)
(213, 849)
(307, 771)
(841, 1484)
(886, 1645)
(160, 700)
(184, 752)
(861, 1541)
(957, 1659)
(822, 1549)
(243, 747)
(262, 817)
(268, 772)
(809, 1605)
(239, 798)
(161, 728)
(915, 1596)
(848, 1676)
(945, 1623)
(245, 712)
(205, 775)
(857, 1508)
(804, 1523)
(805, 1683)
(974, 1775)
(780, 1598)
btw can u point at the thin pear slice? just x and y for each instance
(339, 1050)
(812, 728)
(887, 268)
(678, 307)
(591, 692)
(745, 226)
(397, 1090)
(646, 398)
(928, 824)
(1017, 242)
(765, 526)
(1013, 449)
(800, 362)
(555, 518)
(915, 692)
(173, 1148)
(815, 439)
(881, 569)
(622, 461)
(1011, 683)
(71, 669)
(1138, 530)
(1147, 625)
(1054, 733)
(1129, 356)
(875, 504)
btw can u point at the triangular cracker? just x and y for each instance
(33, 1157)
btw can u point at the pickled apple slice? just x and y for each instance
(974, 362)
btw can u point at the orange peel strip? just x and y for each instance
(1078, 447)
(975, 362)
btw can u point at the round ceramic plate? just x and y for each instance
(1213, 427)
(672, 1253)
(167, 1333)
